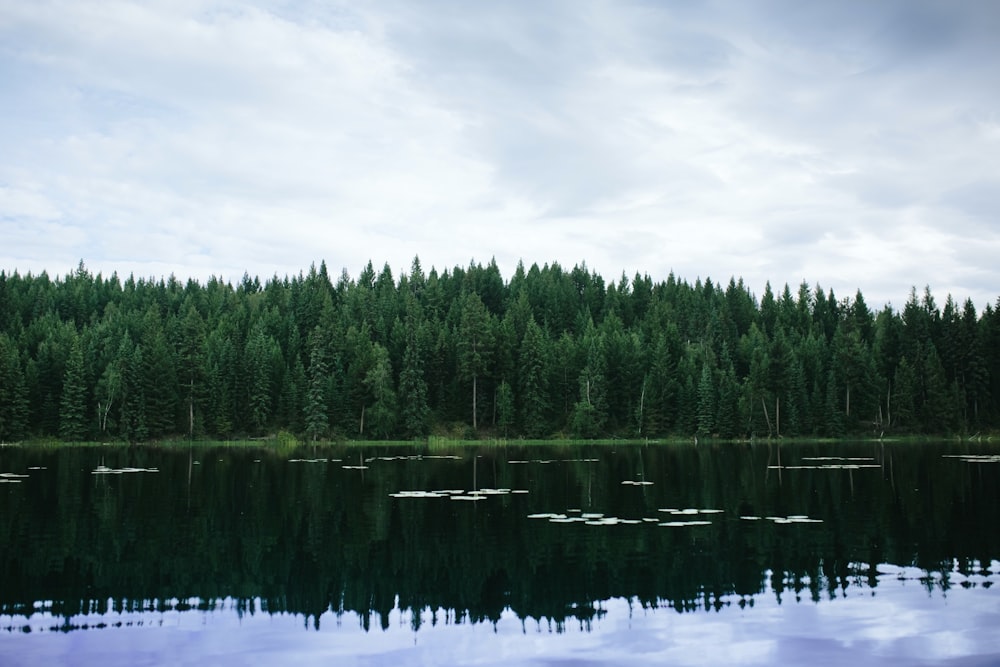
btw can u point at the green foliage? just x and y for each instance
(317, 420)
(382, 414)
(552, 351)
(72, 419)
(13, 393)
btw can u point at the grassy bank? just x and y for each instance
(285, 440)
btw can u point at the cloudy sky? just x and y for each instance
(853, 144)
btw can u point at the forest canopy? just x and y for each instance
(548, 353)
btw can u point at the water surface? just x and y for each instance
(834, 554)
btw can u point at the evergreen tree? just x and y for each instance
(727, 414)
(72, 412)
(532, 381)
(259, 357)
(378, 380)
(706, 402)
(505, 408)
(191, 367)
(317, 421)
(132, 419)
(13, 393)
(474, 342)
(413, 389)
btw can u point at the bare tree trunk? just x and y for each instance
(642, 402)
(777, 415)
(888, 403)
(191, 409)
(764, 405)
(848, 399)
(361, 431)
(474, 424)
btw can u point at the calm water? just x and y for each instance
(832, 555)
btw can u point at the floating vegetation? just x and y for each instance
(598, 519)
(419, 494)
(975, 458)
(104, 470)
(469, 497)
(837, 458)
(309, 460)
(8, 480)
(354, 467)
(520, 491)
(681, 524)
(794, 518)
(37, 468)
(751, 518)
(12, 475)
(547, 461)
(636, 483)
(828, 466)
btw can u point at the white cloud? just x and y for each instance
(845, 144)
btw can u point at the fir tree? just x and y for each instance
(72, 410)
(317, 422)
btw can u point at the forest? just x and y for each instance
(464, 353)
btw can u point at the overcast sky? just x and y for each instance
(854, 144)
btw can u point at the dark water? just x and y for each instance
(847, 554)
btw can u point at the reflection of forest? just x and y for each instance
(309, 537)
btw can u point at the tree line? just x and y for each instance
(548, 353)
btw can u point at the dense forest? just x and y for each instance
(464, 353)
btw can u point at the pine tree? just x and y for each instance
(382, 414)
(317, 422)
(72, 410)
(13, 393)
(259, 356)
(413, 389)
(706, 402)
(505, 408)
(474, 342)
(132, 419)
(727, 413)
(533, 389)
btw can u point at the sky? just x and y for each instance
(850, 144)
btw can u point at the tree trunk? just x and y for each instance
(474, 423)
(191, 409)
(777, 415)
(642, 401)
(888, 403)
(764, 405)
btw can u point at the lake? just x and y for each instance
(833, 554)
